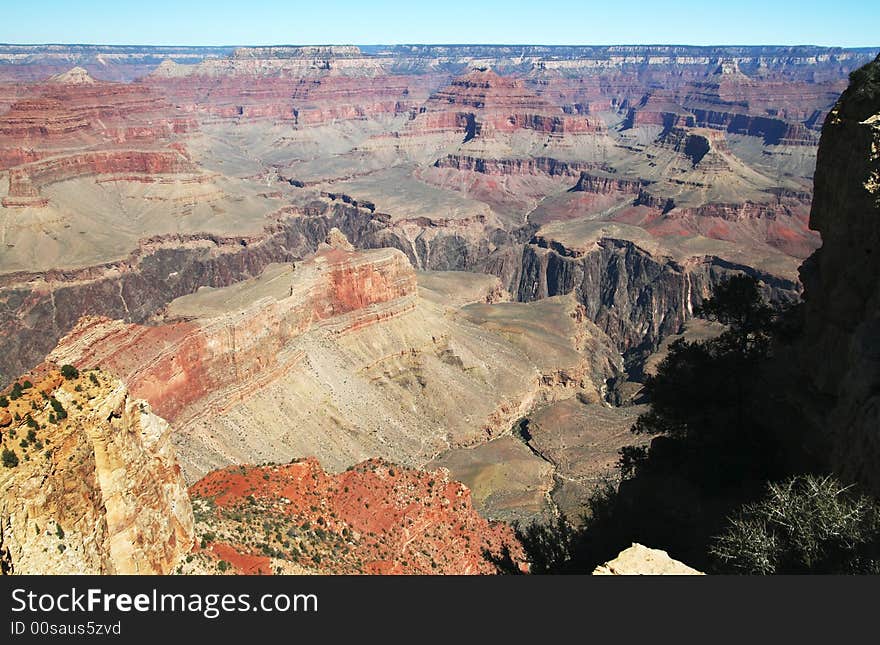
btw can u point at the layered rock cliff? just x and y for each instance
(174, 365)
(73, 126)
(89, 482)
(342, 358)
(635, 291)
(840, 351)
(635, 296)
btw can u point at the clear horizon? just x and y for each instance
(224, 23)
(424, 44)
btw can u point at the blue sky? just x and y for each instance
(551, 22)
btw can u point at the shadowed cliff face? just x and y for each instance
(840, 351)
(637, 298)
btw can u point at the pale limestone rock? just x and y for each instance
(639, 560)
(107, 476)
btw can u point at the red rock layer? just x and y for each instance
(59, 116)
(25, 180)
(302, 101)
(63, 130)
(375, 518)
(174, 365)
(783, 224)
(785, 112)
(481, 103)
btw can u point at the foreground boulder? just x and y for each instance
(639, 560)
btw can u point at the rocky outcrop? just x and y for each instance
(295, 90)
(175, 365)
(639, 560)
(518, 167)
(781, 223)
(26, 180)
(375, 518)
(482, 103)
(635, 297)
(340, 357)
(60, 115)
(90, 482)
(40, 308)
(602, 185)
(839, 369)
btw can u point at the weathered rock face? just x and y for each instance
(298, 90)
(841, 347)
(639, 560)
(727, 99)
(96, 488)
(172, 366)
(40, 308)
(781, 224)
(481, 103)
(375, 518)
(73, 126)
(530, 166)
(635, 297)
(26, 180)
(342, 359)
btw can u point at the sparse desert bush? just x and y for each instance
(60, 412)
(806, 524)
(10, 459)
(69, 372)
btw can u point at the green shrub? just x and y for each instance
(60, 412)
(69, 372)
(10, 459)
(4, 402)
